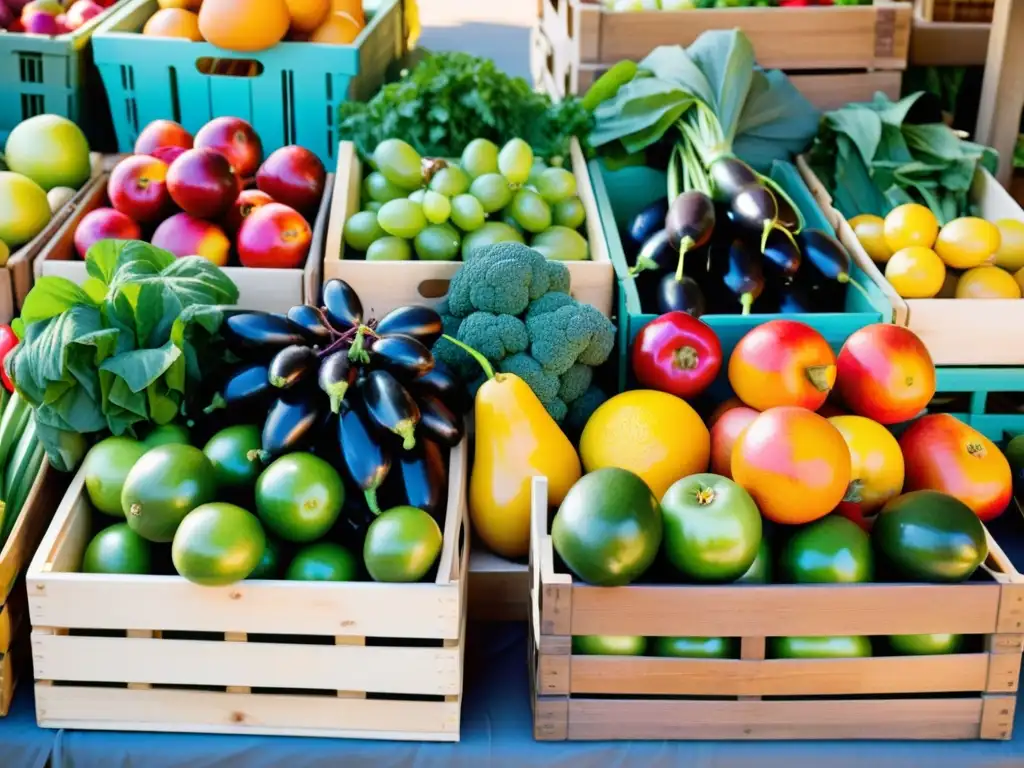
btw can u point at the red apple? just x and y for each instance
(81, 11)
(248, 201)
(162, 133)
(41, 24)
(236, 140)
(202, 183)
(16, 26)
(274, 235)
(17, 6)
(6, 15)
(293, 176)
(138, 188)
(168, 154)
(104, 224)
(185, 235)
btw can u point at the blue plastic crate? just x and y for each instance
(290, 93)
(978, 390)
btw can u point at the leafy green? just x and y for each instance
(449, 99)
(872, 158)
(123, 351)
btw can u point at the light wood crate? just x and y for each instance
(964, 11)
(327, 659)
(25, 536)
(271, 290)
(580, 698)
(956, 331)
(577, 40)
(386, 285)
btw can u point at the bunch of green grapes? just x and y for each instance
(443, 210)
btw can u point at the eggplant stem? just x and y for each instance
(217, 403)
(672, 177)
(337, 395)
(327, 323)
(746, 301)
(406, 430)
(789, 235)
(855, 284)
(370, 494)
(357, 353)
(483, 361)
(684, 247)
(777, 190)
(642, 265)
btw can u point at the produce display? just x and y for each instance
(441, 210)
(212, 195)
(49, 17)
(632, 6)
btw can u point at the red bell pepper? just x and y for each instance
(8, 341)
(678, 354)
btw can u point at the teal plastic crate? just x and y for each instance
(621, 194)
(290, 93)
(42, 75)
(985, 398)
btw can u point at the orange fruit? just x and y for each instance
(876, 467)
(908, 225)
(337, 29)
(307, 15)
(1011, 244)
(173, 22)
(188, 5)
(244, 25)
(870, 231)
(967, 242)
(916, 272)
(987, 283)
(353, 8)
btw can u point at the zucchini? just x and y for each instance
(12, 424)
(20, 490)
(19, 456)
(5, 397)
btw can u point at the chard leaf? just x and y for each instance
(726, 58)
(195, 280)
(641, 112)
(894, 113)
(106, 257)
(676, 65)
(49, 297)
(141, 367)
(892, 146)
(863, 127)
(776, 121)
(934, 140)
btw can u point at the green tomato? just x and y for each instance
(299, 497)
(117, 549)
(608, 645)
(761, 570)
(695, 647)
(106, 467)
(323, 561)
(925, 645)
(218, 544)
(402, 545)
(164, 486)
(167, 434)
(269, 566)
(832, 550)
(840, 647)
(712, 528)
(234, 453)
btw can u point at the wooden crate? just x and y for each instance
(961, 696)
(328, 659)
(956, 331)
(498, 588)
(584, 40)
(969, 11)
(25, 536)
(273, 290)
(383, 286)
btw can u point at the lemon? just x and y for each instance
(967, 242)
(987, 283)
(1011, 244)
(916, 272)
(870, 231)
(910, 224)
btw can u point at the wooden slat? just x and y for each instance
(778, 677)
(831, 91)
(997, 717)
(948, 44)
(30, 526)
(425, 671)
(551, 719)
(1002, 90)
(211, 712)
(933, 719)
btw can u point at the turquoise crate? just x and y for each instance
(621, 194)
(42, 75)
(290, 93)
(978, 390)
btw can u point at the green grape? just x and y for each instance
(515, 161)
(417, 196)
(492, 190)
(438, 242)
(450, 181)
(539, 166)
(467, 213)
(556, 185)
(376, 187)
(529, 209)
(508, 218)
(491, 232)
(479, 157)
(436, 207)
(402, 218)
(362, 229)
(569, 213)
(561, 244)
(400, 163)
(373, 206)
(389, 249)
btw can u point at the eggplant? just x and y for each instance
(293, 365)
(424, 475)
(367, 461)
(655, 254)
(781, 256)
(442, 382)
(793, 299)
(313, 320)
(248, 387)
(421, 323)
(261, 335)
(402, 356)
(828, 257)
(755, 209)
(291, 424)
(788, 217)
(342, 304)
(729, 175)
(644, 226)
(680, 295)
(391, 407)
(744, 276)
(439, 422)
(690, 221)
(335, 377)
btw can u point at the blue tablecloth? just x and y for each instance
(22, 743)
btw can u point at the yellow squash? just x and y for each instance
(516, 440)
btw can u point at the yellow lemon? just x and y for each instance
(987, 283)
(967, 242)
(910, 224)
(870, 231)
(916, 272)
(1011, 244)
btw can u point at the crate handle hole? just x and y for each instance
(208, 65)
(433, 289)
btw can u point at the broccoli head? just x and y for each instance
(582, 408)
(494, 336)
(557, 409)
(450, 354)
(574, 382)
(501, 278)
(558, 277)
(570, 334)
(543, 384)
(549, 302)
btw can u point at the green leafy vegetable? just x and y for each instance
(124, 350)
(449, 99)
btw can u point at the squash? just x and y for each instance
(307, 15)
(244, 25)
(337, 29)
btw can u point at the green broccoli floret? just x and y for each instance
(549, 302)
(581, 409)
(544, 385)
(450, 354)
(557, 409)
(501, 278)
(573, 333)
(574, 382)
(494, 336)
(558, 277)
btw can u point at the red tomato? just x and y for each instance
(678, 354)
(884, 372)
(724, 434)
(8, 341)
(944, 454)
